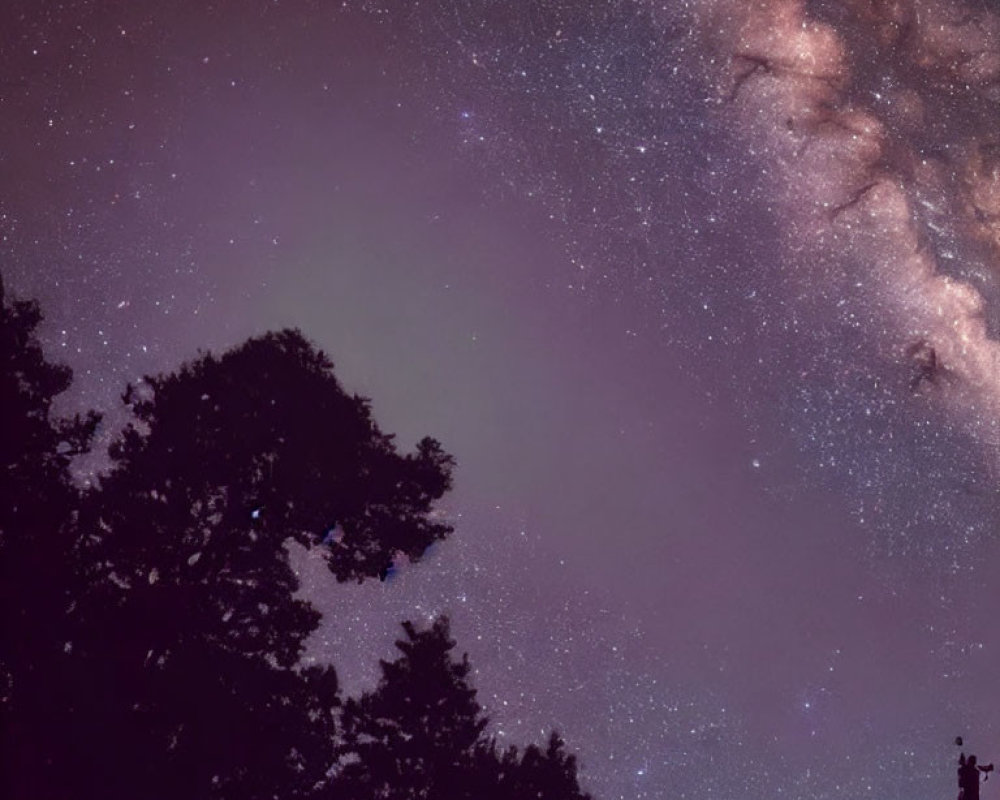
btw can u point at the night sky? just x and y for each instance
(703, 296)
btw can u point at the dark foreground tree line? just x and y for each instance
(150, 636)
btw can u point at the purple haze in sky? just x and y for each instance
(703, 296)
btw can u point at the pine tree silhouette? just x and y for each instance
(548, 774)
(420, 734)
(413, 736)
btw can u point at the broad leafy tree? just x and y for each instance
(152, 628)
(191, 630)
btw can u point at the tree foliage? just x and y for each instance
(152, 626)
(420, 734)
(413, 736)
(228, 460)
(37, 497)
(546, 774)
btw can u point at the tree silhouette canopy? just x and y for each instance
(152, 625)
(38, 497)
(421, 734)
(414, 735)
(186, 542)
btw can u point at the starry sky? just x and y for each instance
(702, 295)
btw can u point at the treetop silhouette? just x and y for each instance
(152, 628)
(228, 459)
(266, 433)
(422, 734)
(413, 736)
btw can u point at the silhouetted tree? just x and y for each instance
(420, 734)
(37, 497)
(548, 774)
(414, 735)
(190, 631)
(535, 773)
(152, 630)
